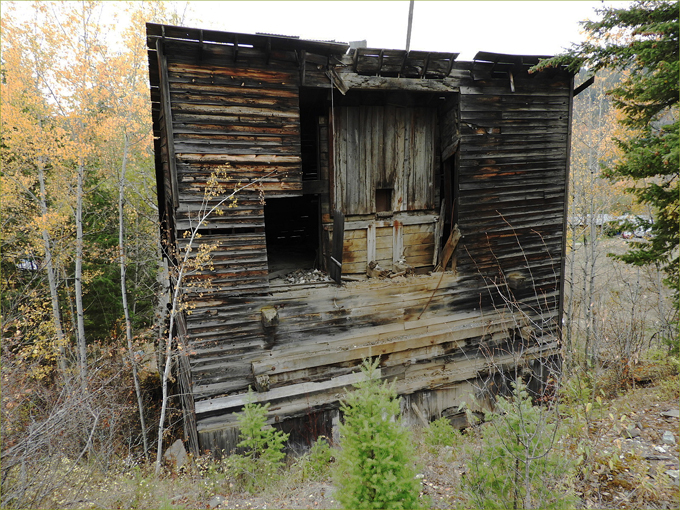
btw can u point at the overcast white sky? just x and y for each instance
(526, 27)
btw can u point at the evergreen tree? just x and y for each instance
(374, 467)
(642, 40)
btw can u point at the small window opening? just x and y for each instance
(383, 200)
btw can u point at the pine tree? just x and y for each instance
(263, 445)
(374, 467)
(642, 40)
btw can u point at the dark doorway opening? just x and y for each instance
(292, 231)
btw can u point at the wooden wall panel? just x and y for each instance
(512, 184)
(385, 147)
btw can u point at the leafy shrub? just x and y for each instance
(374, 467)
(440, 432)
(315, 464)
(516, 465)
(263, 456)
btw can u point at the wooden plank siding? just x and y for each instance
(512, 178)
(384, 147)
(401, 138)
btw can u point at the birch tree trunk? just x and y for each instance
(51, 275)
(123, 288)
(80, 313)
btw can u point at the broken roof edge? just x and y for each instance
(155, 30)
(286, 42)
(506, 58)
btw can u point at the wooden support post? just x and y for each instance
(449, 247)
(370, 243)
(397, 242)
(303, 58)
(419, 414)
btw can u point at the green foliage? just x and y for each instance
(516, 465)
(642, 41)
(440, 432)
(374, 468)
(263, 456)
(315, 464)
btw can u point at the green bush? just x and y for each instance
(315, 464)
(440, 432)
(263, 456)
(374, 468)
(516, 465)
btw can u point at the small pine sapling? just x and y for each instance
(517, 465)
(375, 462)
(263, 444)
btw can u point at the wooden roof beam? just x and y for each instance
(450, 66)
(362, 82)
(425, 66)
(403, 63)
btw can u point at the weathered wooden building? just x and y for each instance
(450, 176)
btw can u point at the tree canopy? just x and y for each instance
(642, 42)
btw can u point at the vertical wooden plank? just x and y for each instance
(167, 118)
(397, 241)
(366, 161)
(418, 183)
(339, 155)
(378, 164)
(353, 163)
(432, 136)
(335, 263)
(389, 150)
(370, 243)
(409, 159)
(439, 227)
(400, 158)
(379, 148)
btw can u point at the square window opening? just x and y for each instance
(383, 200)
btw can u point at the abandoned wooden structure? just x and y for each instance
(445, 181)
